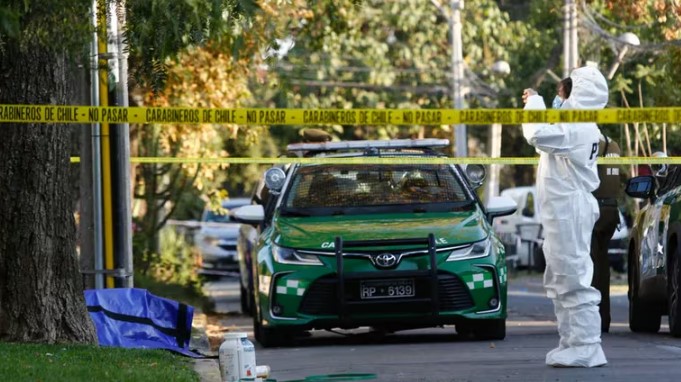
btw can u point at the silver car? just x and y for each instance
(216, 239)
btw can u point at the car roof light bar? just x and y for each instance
(369, 144)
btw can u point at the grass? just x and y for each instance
(36, 362)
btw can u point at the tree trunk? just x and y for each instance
(41, 288)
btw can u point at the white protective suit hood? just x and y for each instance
(589, 89)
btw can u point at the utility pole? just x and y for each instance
(495, 152)
(121, 154)
(460, 135)
(570, 37)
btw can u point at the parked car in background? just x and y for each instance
(246, 243)
(654, 254)
(526, 251)
(393, 245)
(519, 251)
(216, 239)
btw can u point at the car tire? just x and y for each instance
(539, 260)
(482, 329)
(643, 316)
(245, 308)
(490, 329)
(269, 337)
(464, 329)
(674, 292)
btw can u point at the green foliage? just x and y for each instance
(31, 23)
(32, 362)
(393, 55)
(648, 74)
(176, 261)
(161, 29)
(182, 293)
(251, 142)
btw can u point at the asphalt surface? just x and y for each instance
(439, 354)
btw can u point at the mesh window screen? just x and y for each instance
(373, 185)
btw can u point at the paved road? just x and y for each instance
(440, 355)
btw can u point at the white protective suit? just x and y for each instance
(566, 176)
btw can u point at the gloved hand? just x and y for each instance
(527, 93)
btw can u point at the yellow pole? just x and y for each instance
(107, 199)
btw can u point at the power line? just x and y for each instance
(593, 26)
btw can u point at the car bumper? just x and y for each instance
(464, 290)
(218, 259)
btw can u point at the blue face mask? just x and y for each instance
(557, 102)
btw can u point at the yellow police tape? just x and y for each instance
(384, 160)
(179, 115)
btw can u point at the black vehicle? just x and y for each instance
(654, 255)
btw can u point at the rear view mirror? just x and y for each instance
(251, 214)
(641, 187)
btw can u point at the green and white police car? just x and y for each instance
(397, 244)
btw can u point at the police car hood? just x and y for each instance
(320, 232)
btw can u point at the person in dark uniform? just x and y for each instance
(607, 195)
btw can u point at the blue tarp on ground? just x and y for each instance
(135, 318)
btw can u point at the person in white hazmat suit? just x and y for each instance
(566, 176)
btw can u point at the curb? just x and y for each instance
(206, 368)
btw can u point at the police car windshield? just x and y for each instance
(351, 189)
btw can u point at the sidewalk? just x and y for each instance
(207, 369)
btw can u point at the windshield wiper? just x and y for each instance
(293, 212)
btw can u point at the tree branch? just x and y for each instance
(554, 59)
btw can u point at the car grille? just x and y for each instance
(321, 297)
(228, 247)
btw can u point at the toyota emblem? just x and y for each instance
(385, 260)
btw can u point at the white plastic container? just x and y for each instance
(237, 358)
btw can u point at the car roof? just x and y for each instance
(235, 202)
(384, 147)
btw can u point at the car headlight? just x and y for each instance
(291, 256)
(473, 251)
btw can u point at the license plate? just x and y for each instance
(395, 288)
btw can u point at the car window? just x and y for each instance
(373, 186)
(223, 216)
(217, 217)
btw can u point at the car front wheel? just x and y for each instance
(643, 316)
(270, 337)
(674, 292)
(245, 308)
(483, 329)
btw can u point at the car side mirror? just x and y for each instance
(641, 187)
(251, 214)
(500, 206)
